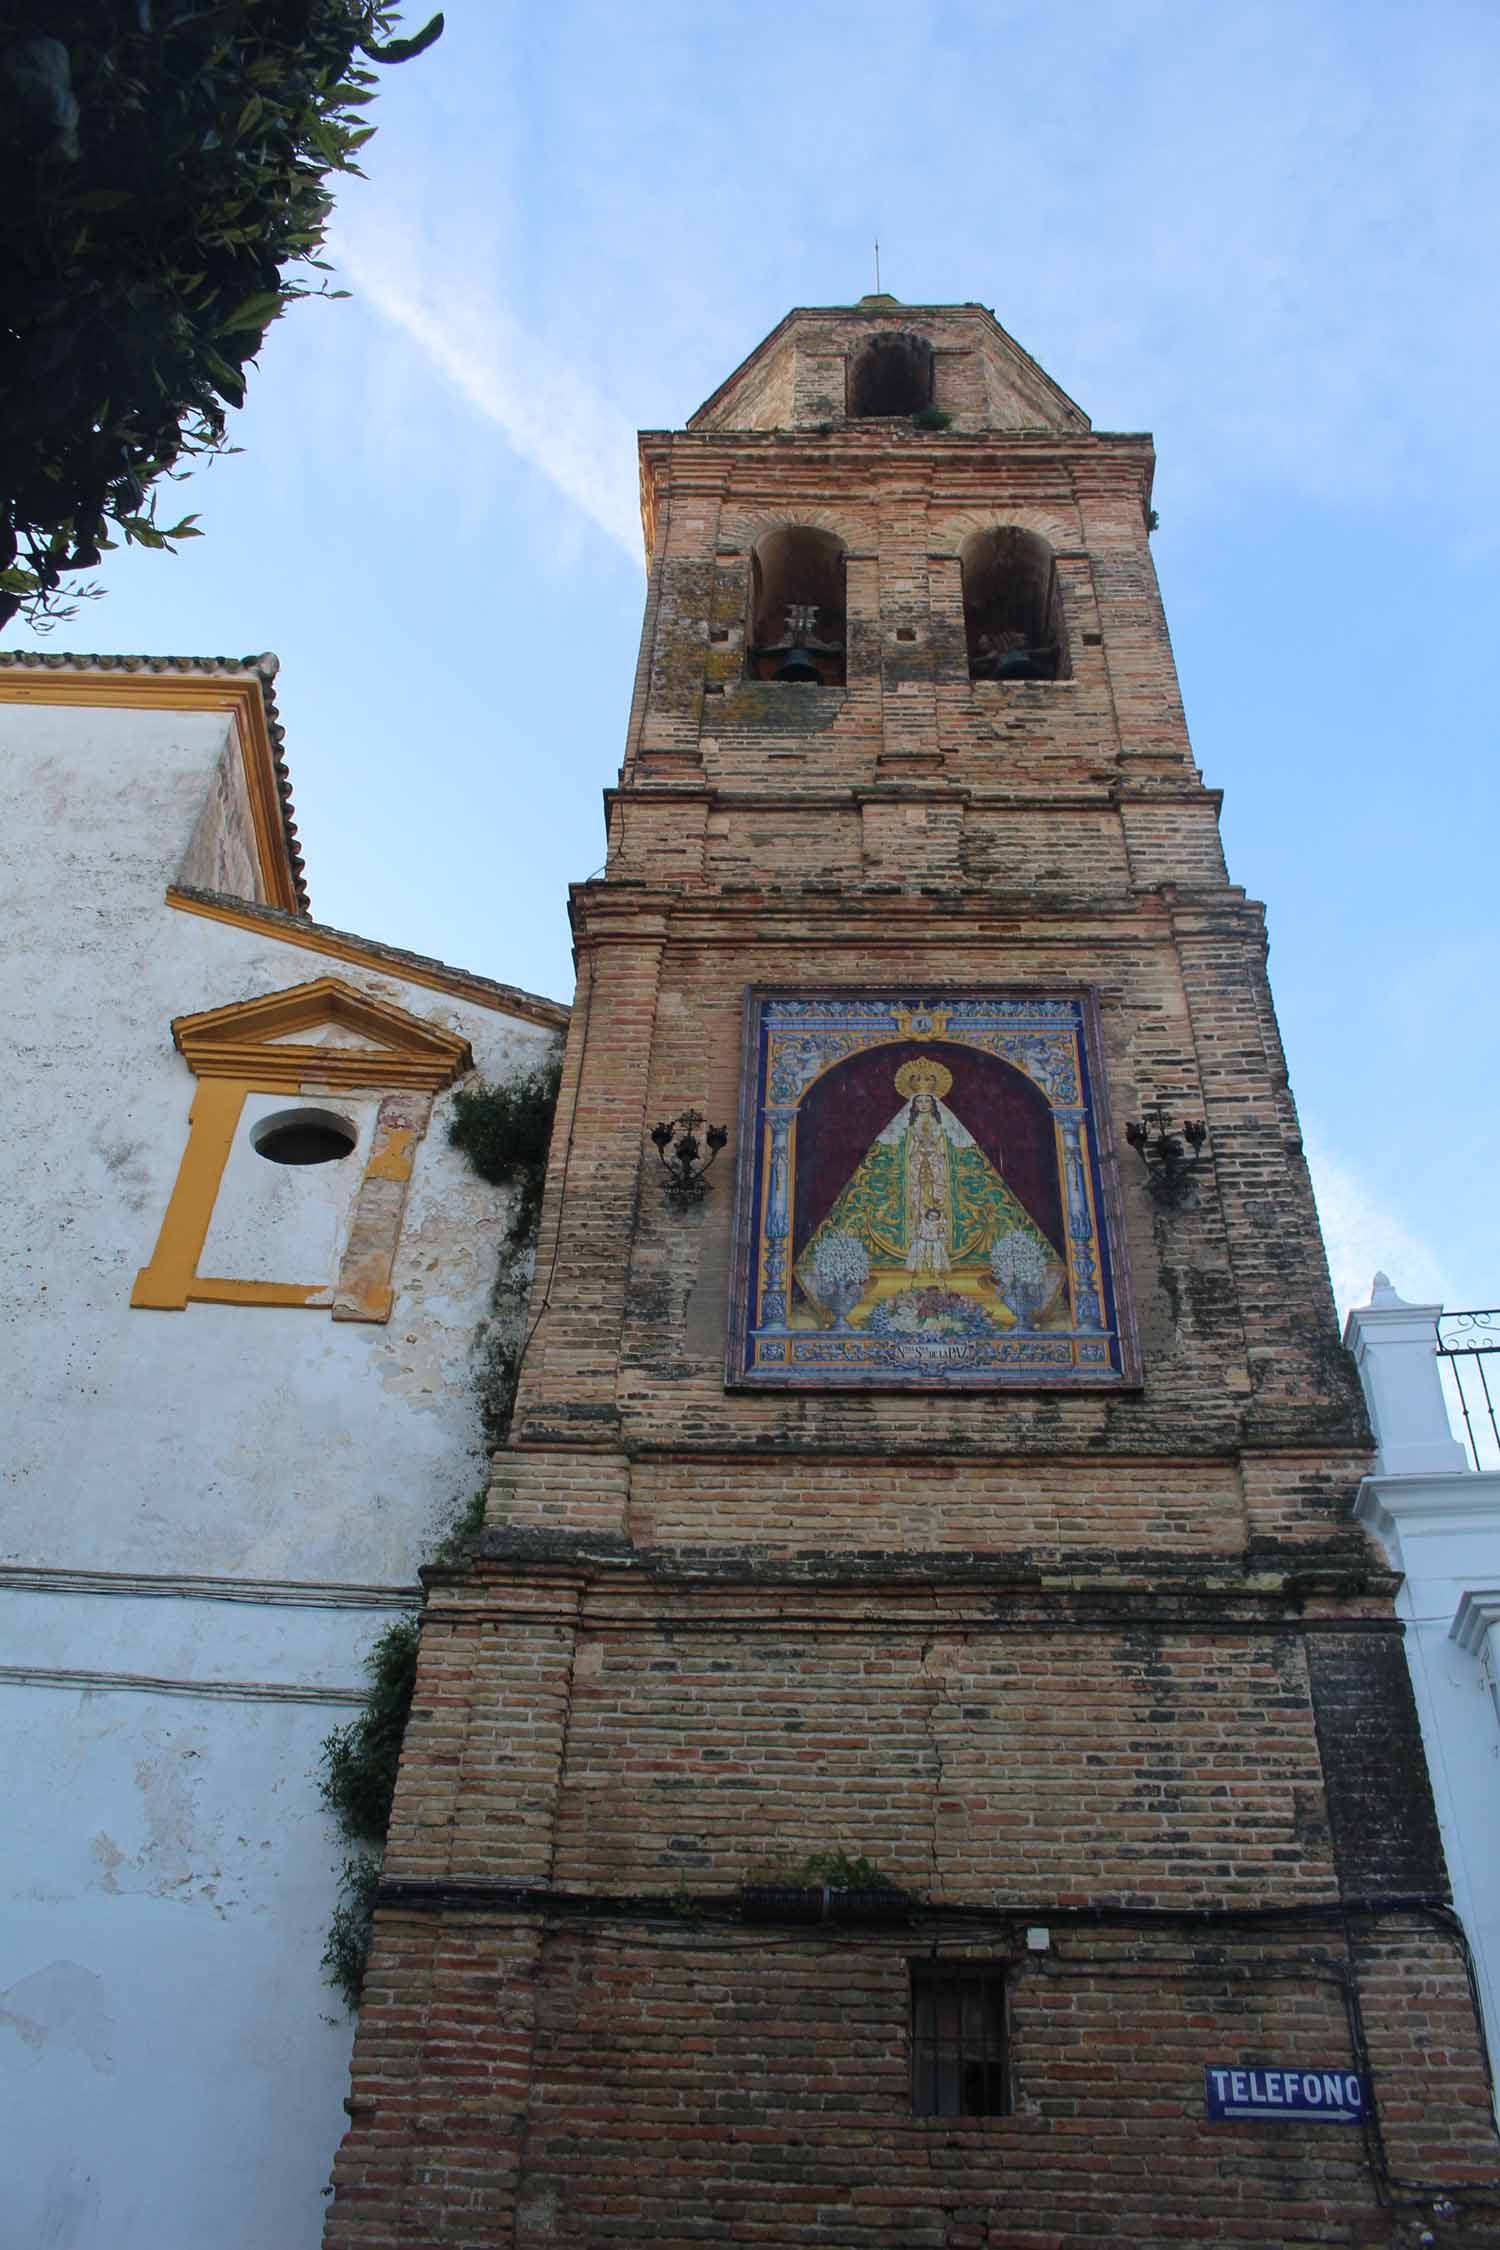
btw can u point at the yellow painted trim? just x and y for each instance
(187, 691)
(291, 1069)
(214, 1292)
(242, 1049)
(391, 1158)
(364, 1290)
(172, 1281)
(551, 1015)
(324, 1000)
(246, 1042)
(167, 1282)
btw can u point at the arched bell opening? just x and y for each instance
(892, 375)
(1013, 614)
(797, 608)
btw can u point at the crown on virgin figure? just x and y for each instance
(923, 1075)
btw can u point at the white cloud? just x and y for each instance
(1363, 1237)
(545, 411)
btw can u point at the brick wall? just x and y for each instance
(1120, 1666)
(571, 2034)
(809, 2137)
(1234, 1291)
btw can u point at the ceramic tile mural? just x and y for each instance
(923, 1195)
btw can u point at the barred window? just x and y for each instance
(959, 2064)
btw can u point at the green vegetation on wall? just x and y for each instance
(358, 1784)
(504, 1131)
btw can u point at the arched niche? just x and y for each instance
(1013, 614)
(891, 375)
(797, 607)
(843, 1112)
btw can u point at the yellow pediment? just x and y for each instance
(326, 1032)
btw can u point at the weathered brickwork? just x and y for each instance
(809, 2137)
(436, 2118)
(1117, 1670)
(789, 2056)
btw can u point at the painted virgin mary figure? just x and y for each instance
(924, 1200)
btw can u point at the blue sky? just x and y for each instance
(1266, 234)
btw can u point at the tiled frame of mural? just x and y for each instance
(927, 1195)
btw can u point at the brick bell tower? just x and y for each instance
(919, 1735)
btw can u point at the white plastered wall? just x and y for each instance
(285, 1222)
(1438, 1523)
(206, 1516)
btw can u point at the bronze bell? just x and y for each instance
(1016, 664)
(798, 664)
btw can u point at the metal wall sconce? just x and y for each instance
(1169, 1168)
(685, 1158)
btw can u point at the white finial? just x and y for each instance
(877, 265)
(1381, 1292)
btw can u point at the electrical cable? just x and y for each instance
(662, 1919)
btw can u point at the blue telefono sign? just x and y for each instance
(1329, 2097)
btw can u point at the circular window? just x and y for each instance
(303, 1136)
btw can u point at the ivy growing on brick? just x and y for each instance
(358, 1784)
(504, 1129)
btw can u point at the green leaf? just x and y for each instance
(255, 312)
(251, 114)
(402, 50)
(226, 380)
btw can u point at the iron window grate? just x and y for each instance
(959, 2063)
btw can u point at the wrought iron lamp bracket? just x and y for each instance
(1170, 1168)
(686, 1159)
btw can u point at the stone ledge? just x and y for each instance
(1270, 1583)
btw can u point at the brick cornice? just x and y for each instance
(843, 920)
(963, 462)
(1337, 1590)
(977, 797)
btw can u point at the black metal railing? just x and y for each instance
(1467, 1342)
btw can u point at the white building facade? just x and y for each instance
(244, 1299)
(1436, 1515)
